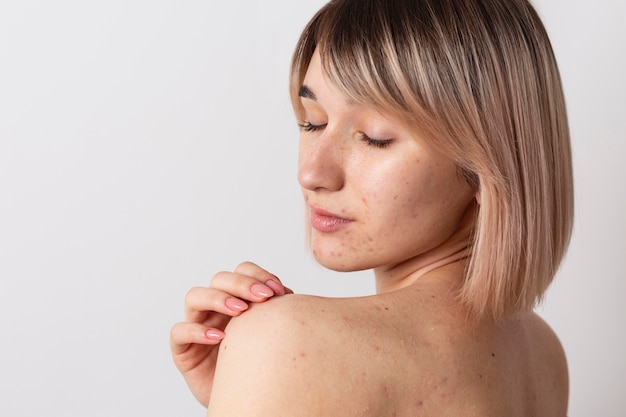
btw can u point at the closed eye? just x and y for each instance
(309, 127)
(377, 143)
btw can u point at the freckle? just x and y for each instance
(395, 197)
(387, 308)
(420, 403)
(302, 354)
(480, 376)
(493, 355)
(377, 349)
(293, 359)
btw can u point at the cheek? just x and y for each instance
(424, 195)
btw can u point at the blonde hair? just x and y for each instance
(479, 80)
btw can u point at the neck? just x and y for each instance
(453, 254)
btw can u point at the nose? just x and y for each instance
(320, 162)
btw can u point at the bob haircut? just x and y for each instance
(479, 82)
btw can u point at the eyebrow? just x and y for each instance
(305, 92)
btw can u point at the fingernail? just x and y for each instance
(275, 286)
(214, 334)
(236, 304)
(261, 290)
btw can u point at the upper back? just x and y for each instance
(368, 357)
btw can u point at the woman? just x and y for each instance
(435, 151)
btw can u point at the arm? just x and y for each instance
(207, 312)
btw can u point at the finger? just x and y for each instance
(183, 335)
(252, 270)
(201, 301)
(243, 286)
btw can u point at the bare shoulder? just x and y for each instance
(549, 359)
(275, 360)
(521, 368)
(310, 356)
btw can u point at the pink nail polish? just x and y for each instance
(235, 304)
(261, 290)
(275, 286)
(214, 334)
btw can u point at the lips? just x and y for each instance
(327, 222)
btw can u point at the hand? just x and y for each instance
(194, 342)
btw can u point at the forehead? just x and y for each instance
(318, 84)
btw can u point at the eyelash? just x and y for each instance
(309, 127)
(377, 143)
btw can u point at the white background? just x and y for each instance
(145, 145)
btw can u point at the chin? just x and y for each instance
(340, 263)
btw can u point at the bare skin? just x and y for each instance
(413, 352)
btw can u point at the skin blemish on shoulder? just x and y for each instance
(420, 403)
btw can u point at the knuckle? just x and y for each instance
(190, 296)
(217, 278)
(245, 266)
